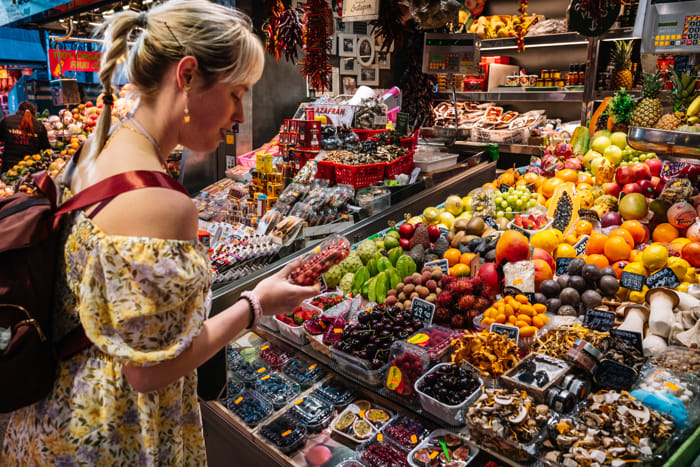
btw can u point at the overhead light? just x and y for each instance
(125, 7)
(61, 20)
(532, 46)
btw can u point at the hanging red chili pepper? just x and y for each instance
(289, 33)
(317, 45)
(271, 27)
(388, 28)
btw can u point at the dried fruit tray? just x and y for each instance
(430, 449)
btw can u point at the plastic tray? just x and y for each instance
(277, 388)
(527, 232)
(359, 176)
(285, 433)
(433, 161)
(452, 414)
(305, 373)
(294, 334)
(402, 165)
(233, 357)
(434, 339)
(313, 412)
(335, 392)
(250, 371)
(398, 456)
(274, 355)
(375, 426)
(414, 432)
(251, 407)
(358, 369)
(429, 443)
(407, 363)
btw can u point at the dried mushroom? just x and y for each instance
(558, 341)
(493, 354)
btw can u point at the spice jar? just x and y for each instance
(559, 82)
(583, 355)
(560, 400)
(548, 83)
(540, 83)
(545, 74)
(579, 387)
(555, 74)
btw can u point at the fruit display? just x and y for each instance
(622, 58)
(313, 412)
(517, 311)
(304, 372)
(277, 388)
(274, 355)
(449, 384)
(361, 420)
(383, 454)
(284, 432)
(404, 431)
(335, 392)
(297, 317)
(406, 365)
(251, 407)
(435, 340)
(19, 178)
(445, 448)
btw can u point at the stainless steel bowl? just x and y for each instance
(662, 142)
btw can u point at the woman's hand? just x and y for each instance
(278, 295)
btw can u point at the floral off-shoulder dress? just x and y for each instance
(141, 301)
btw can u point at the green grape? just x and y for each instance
(499, 213)
(509, 209)
(532, 203)
(504, 204)
(519, 203)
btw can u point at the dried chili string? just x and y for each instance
(317, 46)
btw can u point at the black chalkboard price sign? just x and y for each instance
(504, 188)
(664, 278)
(629, 337)
(442, 263)
(599, 320)
(423, 310)
(324, 286)
(563, 265)
(369, 146)
(614, 375)
(632, 281)
(512, 332)
(444, 232)
(580, 246)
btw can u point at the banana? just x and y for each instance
(693, 120)
(694, 106)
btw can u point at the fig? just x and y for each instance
(569, 296)
(575, 266)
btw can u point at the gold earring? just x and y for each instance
(187, 110)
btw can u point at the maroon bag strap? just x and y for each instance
(115, 185)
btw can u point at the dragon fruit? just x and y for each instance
(551, 164)
(564, 150)
(573, 163)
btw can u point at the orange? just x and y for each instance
(550, 185)
(618, 266)
(691, 253)
(452, 255)
(599, 260)
(639, 232)
(583, 177)
(466, 258)
(623, 233)
(633, 255)
(665, 233)
(617, 248)
(571, 239)
(540, 180)
(459, 270)
(596, 243)
(583, 227)
(568, 175)
(530, 177)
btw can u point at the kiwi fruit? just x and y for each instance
(502, 223)
(575, 266)
(475, 226)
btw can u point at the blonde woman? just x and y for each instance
(130, 272)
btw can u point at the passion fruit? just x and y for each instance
(563, 280)
(591, 298)
(550, 288)
(362, 429)
(609, 285)
(569, 296)
(578, 283)
(575, 266)
(553, 304)
(608, 271)
(591, 273)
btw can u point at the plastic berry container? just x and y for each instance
(407, 363)
(459, 449)
(404, 432)
(359, 369)
(274, 355)
(251, 407)
(250, 371)
(316, 263)
(382, 454)
(313, 412)
(335, 392)
(304, 372)
(234, 388)
(277, 388)
(294, 334)
(285, 433)
(233, 357)
(452, 414)
(435, 340)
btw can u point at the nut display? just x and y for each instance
(558, 341)
(492, 354)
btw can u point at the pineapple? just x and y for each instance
(682, 96)
(649, 109)
(622, 58)
(621, 107)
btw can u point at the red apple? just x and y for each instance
(539, 253)
(611, 188)
(489, 274)
(405, 243)
(406, 230)
(640, 171)
(624, 175)
(632, 188)
(658, 189)
(655, 166)
(433, 232)
(647, 188)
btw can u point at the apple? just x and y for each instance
(405, 243)
(589, 156)
(647, 187)
(612, 189)
(433, 232)
(539, 253)
(613, 154)
(597, 163)
(655, 166)
(406, 230)
(640, 171)
(610, 218)
(631, 188)
(619, 139)
(600, 143)
(624, 175)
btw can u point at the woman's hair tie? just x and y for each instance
(142, 20)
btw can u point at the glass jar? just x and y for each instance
(548, 83)
(584, 355)
(532, 80)
(540, 83)
(545, 74)
(555, 74)
(559, 82)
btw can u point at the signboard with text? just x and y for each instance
(360, 10)
(72, 60)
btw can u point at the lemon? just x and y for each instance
(547, 239)
(655, 256)
(638, 296)
(683, 287)
(564, 250)
(679, 266)
(690, 276)
(636, 268)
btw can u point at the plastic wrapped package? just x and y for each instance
(285, 433)
(277, 388)
(304, 372)
(335, 392)
(274, 355)
(250, 371)
(360, 421)
(251, 407)
(679, 358)
(404, 432)
(313, 412)
(482, 203)
(382, 454)
(407, 363)
(435, 340)
(316, 263)
(670, 392)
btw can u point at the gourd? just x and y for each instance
(661, 303)
(635, 317)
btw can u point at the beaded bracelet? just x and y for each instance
(255, 307)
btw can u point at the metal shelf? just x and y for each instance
(519, 96)
(664, 96)
(553, 40)
(523, 149)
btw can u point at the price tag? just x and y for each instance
(563, 265)
(361, 414)
(419, 339)
(632, 281)
(402, 123)
(442, 263)
(414, 439)
(580, 246)
(433, 455)
(265, 377)
(261, 370)
(671, 386)
(238, 401)
(599, 320)
(264, 347)
(299, 402)
(313, 366)
(517, 281)
(338, 330)
(511, 332)
(286, 433)
(488, 220)
(423, 310)
(615, 375)
(475, 265)
(369, 146)
(324, 286)
(629, 337)
(380, 437)
(393, 378)
(504, 188)
(664, 278)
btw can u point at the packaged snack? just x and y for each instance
(331, 252)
